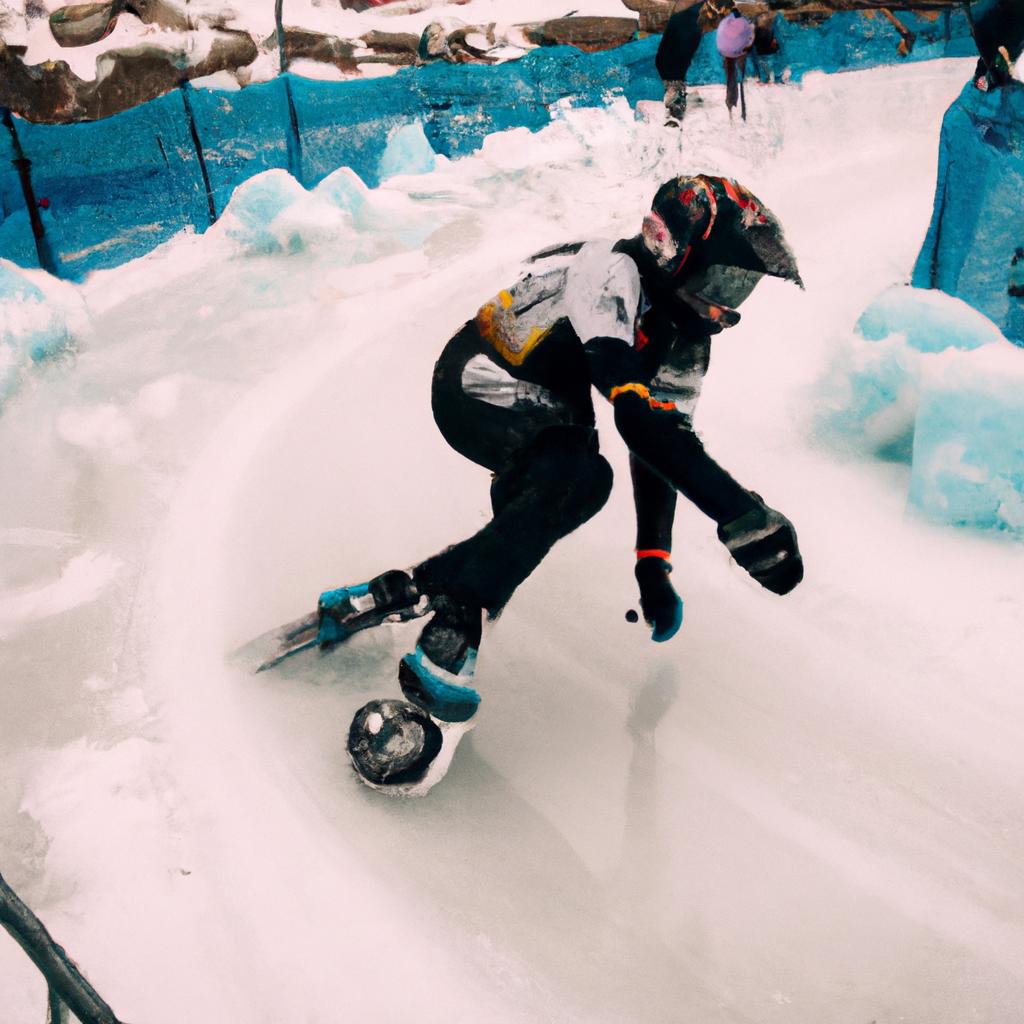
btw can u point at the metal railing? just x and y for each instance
(67, 989)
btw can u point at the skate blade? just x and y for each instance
(285, 641)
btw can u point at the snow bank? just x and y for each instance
(272, 214)
(927, 380)
(40, 320)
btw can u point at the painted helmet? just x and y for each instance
(684, 213)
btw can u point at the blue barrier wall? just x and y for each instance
(977, 224)
(117, 188)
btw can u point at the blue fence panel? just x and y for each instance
(346, 124)
(462, 104)
(115, 188)
(242, 133)
(977, 225)
(16, 241)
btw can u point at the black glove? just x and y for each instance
(763, 541)
(661, 605)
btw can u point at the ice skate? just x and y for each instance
(404, 748)
(390, 597)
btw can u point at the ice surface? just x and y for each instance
(799, 811)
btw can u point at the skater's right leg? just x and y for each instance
(554, 485)
(548, 478)
(549, 489)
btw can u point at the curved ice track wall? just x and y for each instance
(109, 191)
(975, 243)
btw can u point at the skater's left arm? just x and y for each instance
(659, 434)
(761, 539)
(603, 296)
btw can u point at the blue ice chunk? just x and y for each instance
(31, 330)
(929, 320)
(407, 152)
(346, 190)
(871, 400)
(381, 220)
(928, 380)
(968, 462)
(16, 288)
(256, 204)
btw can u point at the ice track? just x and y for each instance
(799, 811)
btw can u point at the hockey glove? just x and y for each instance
(763, 542)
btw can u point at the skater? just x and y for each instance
(512, 390)
(679, 43)
(734, 39)
(689, 22)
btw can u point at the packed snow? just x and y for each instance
(799, 810)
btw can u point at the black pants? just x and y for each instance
(548, 478)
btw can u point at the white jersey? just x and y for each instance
(594, 288)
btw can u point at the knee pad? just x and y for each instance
(563, 464)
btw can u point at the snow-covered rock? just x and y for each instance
(83, 24)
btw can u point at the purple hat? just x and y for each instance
(734, 35)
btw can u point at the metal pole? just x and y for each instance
(293, 140)
(198, 146)
(24, 166)
(54, 964)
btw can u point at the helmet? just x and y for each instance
(681, 212)
(686, 209)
